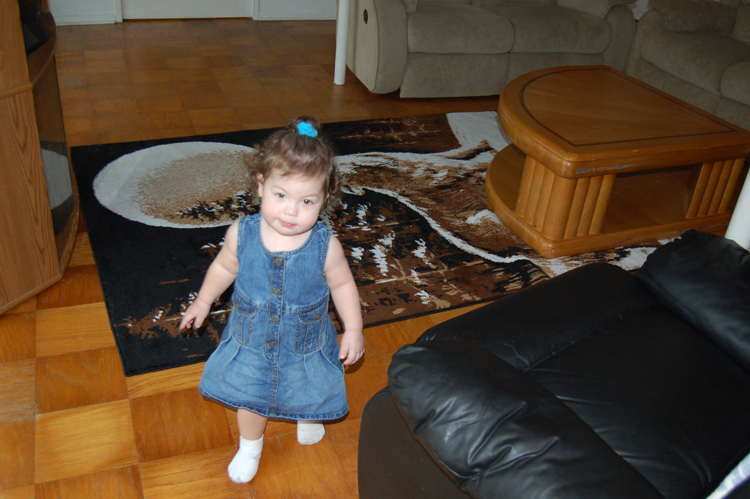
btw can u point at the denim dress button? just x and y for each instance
(274, 318)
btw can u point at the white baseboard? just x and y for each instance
(68, 12)
(278, 10)
(185, 9)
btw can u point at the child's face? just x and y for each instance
(291, 204)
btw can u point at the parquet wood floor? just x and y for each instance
(72, 425)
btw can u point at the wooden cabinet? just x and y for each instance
(38, 196)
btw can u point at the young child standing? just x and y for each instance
(279, 355)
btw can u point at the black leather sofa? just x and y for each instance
(595, 384)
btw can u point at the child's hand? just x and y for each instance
(352, 347)
(195, 315)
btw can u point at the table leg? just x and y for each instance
(342, 33)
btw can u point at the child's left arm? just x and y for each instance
(346, 299)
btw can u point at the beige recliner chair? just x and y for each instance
(453, 48)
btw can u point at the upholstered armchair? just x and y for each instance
(454, 48)
(699, 51)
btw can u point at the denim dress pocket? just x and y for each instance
(310, 328)
(242, 324)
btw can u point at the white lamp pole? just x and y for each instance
(342, 31)
(739, 226)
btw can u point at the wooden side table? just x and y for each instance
(601, 160)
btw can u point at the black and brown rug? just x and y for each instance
(414, 222)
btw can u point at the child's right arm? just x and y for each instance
(221, 274)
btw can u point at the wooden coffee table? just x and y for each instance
(601, 160)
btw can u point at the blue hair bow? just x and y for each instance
(305, 128)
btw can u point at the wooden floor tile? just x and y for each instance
(82, 253)
(72, 329)
(167, 120)
(345, 439)
(135, 134)
(17, 389)
(205, 118)
(120, 483)
(440, 317)
(178, 423)
(386, 339)
(16, 454)
(26, 492)
(304, 471)
(17, 336)
(169, 380)
(79, 285)
(26, 306)
(161, 104)
(115, 107)
(84, 440)
(79, 379)
(363, 380)
(151, 76)
(199, 475)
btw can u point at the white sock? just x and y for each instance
(244, 466)
(310, 432)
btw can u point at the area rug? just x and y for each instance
(414, 223)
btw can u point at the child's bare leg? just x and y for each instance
(252, 425)
(244, 466)
(310, 432)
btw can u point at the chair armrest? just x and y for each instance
(377, 44)
(499, 433)
(529, 326)
(598, 8)
(701, 16)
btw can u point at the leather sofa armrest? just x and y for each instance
(499, 433)
(705, 280)
(696, 16)
(598, 8)
(529, 326)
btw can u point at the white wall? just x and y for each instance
(639, 8)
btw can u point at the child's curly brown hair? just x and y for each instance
(297, 149)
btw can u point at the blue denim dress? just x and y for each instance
(278, 355)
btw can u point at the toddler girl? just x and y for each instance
(279, 355)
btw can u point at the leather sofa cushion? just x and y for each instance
(454, 28)
(498, 433)
(720, 282)
(735, 84)
(550, 29)
(697, 58)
